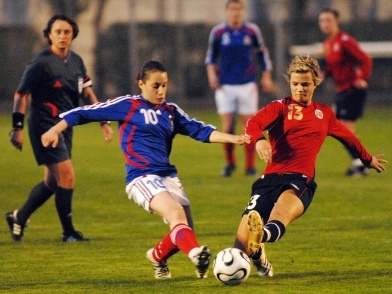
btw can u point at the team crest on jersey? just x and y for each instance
(226, 39)
(247, 40)
(319, 114)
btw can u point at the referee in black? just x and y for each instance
(56, 80)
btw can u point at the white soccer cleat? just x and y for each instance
(201, 258)
(160, 268)
(263, 267)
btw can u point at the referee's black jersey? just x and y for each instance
(55, 83)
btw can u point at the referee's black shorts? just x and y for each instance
(349, 104)
(48, 155)
(267, 189)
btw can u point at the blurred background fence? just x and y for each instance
(118, 36)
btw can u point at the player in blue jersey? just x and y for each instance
(231, 73)
(147, 127)
(56, 80)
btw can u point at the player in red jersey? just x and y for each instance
(297, 127)
(351, 68)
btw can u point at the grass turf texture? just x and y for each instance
(342, 244)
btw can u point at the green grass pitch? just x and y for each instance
(341, 245)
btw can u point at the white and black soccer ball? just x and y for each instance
(231, 266)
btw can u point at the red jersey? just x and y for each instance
(346, 61)
(296, 134)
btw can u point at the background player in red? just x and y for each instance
(297, 127)
(231, 69)
(351, 68)
(56, 79)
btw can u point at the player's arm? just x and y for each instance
(363, 71)
(18, 114)
(89, 98)
(219, 137)
(212, 74)
(266, 67)
(264, 149)
(348, 139)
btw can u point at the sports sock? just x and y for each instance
(164, 249)
(229, 153)
(37, 197)
(250, 155)
(273, 231)
(184, 237)
(180, 237)
(357, 162)
(64, 208)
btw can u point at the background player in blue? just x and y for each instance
(232, 74)
(147, 127)
(56, 79)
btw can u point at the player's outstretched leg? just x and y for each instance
(259, 258)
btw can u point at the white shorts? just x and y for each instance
(142, 189)
(242, 99)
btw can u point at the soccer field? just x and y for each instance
(341, 245)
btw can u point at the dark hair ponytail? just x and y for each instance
(148, 68)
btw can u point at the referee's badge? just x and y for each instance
(319, 114)
(80, 85)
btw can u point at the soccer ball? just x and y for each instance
(231, 266)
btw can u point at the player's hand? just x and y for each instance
(50, 138)
(214, 82)
(242, 139)
(264, 150)
(16, 138)
(377, 162)
(360, 84)
(107, 132)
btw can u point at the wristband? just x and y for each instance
(105, 123)
(17, 120)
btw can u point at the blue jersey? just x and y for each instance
(233, 51)
(146, 131)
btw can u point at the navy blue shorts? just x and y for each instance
(349, 104)
(43, 155)
(267, 189)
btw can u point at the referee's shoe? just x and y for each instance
(16, 229)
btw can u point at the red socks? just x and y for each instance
(250, 152)
(180, 237)
(229, 153)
